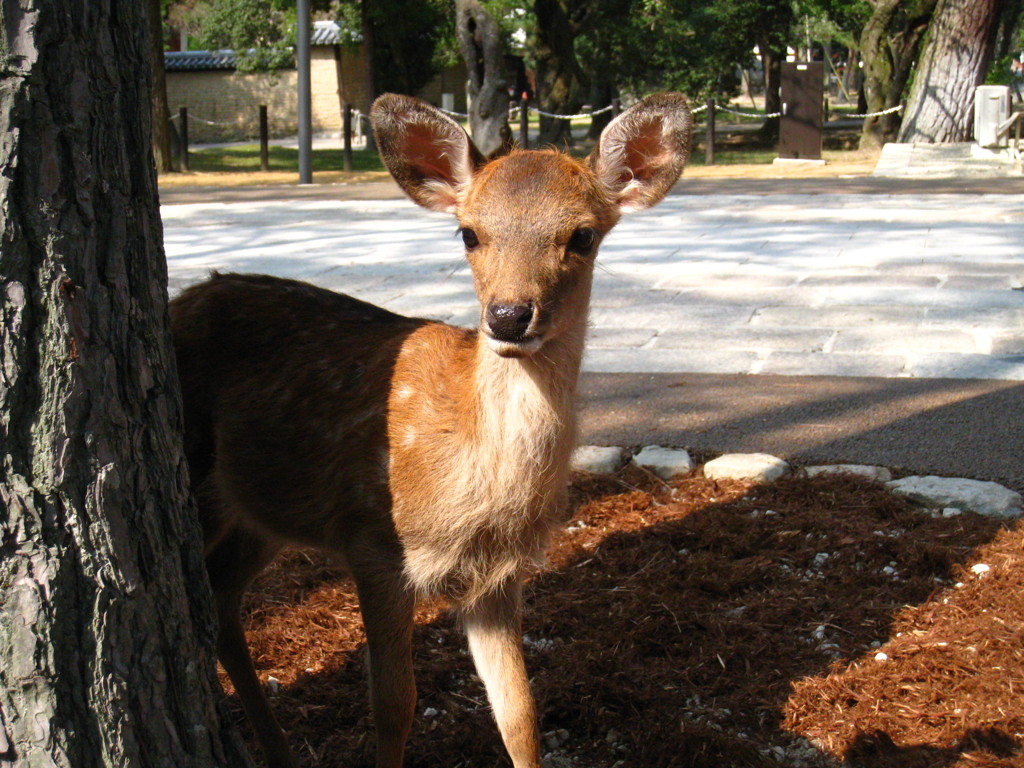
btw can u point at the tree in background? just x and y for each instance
(107, 631)
(562, 84)
(955, 60)
(483, 50)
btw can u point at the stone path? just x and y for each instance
(928, 286)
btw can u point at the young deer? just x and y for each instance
(432, 460)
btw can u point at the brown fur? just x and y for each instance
(432, 460)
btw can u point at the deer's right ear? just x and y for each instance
(427, 152)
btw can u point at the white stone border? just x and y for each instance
(945, 494)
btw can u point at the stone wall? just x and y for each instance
(223, 105)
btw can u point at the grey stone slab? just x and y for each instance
(998, 282)
(792, 295)
(619, 338)
(947, 366)
(873, 279)
(674, 315)
(973, 317)
(668, 361)
(903, 341)
(753, 338)
(837, 316)
(729, 281)
(910, 297)
(811, 364)
(1007, 343)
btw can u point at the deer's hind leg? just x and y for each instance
(386, 602)
(232, 564)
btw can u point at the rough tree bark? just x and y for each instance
(483, 51)
(161, 114)
(106, 659)
(956, 56)
(561, 82)
(889, 48)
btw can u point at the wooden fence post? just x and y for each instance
(524, 123)
(183, 119)
(709, 135)
(346, 132)
(264, 139)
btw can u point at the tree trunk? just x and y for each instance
(771, 61)
(106, 657)
(878, 69)
(161, 114)
(561, 82)
(483, 51)
(956, 57)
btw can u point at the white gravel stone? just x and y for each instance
(666, 463)
(871, 472)
(758, 467)
(597, 459)
(981, 496)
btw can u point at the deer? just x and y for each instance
(433, 461)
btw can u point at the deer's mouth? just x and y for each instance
(524, 347)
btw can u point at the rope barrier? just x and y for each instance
(192, 117)
(600, 111)
(878, 114)
(758, 115)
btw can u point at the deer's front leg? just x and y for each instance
(494, 629)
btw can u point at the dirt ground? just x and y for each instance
(812, 622)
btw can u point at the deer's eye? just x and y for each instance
(469, 238)
(582, 240)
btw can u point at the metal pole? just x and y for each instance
(709, 135)
(183, 119)
(264, 139)
(305, 103)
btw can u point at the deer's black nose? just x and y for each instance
(509, 322)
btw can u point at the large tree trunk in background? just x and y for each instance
(890, 41)
(106, 623)
(955, 60)
(161, 114)
(561, 83)
(878, 69)
(483, 51)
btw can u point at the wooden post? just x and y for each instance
(709, 135)
(183, 157)
(346, 133)
(616, 107)
(264, 139)
(524, 123)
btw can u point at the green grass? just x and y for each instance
(246, 157)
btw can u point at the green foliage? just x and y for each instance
(679, 44)
(262, 32)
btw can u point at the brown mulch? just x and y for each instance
(700, 624)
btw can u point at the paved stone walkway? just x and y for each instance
(927, 286)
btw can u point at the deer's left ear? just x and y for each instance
(427, 152)
(642, 151)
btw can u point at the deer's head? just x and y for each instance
(532, 221)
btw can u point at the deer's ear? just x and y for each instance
(642, 151)
(427, 152)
